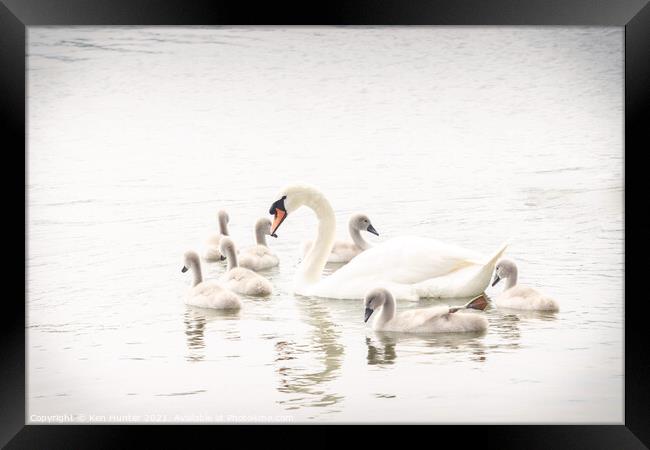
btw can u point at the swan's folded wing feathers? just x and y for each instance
(419, 317)
(235, 274)
(239, 274)
(205, 288)
(213, 239)
(419, 267)
(210, 294)
(258, 250)
(409, 259)
(520, 291)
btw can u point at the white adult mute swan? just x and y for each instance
(411, 267)
(344, 251)
(516, 296)
(437, 319)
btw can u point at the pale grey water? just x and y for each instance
(471, 135)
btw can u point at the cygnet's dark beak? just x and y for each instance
(222, 258)
(496, 279)
(372, 230)
(367, 314)
(184, 269)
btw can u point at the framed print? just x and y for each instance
(380, 215)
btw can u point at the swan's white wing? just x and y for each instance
(411, 267)
(407, 260)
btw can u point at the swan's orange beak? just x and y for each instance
(280, 215)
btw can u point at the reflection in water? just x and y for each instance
(384, 354)
(195, 320)
(296, 376)
(506, 326)
(506, 323)
(523, 314)
(383, 349)
(194, 328)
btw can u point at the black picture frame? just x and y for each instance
(634, 15)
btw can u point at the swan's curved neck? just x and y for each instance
(260, 234)
(312, 266)
(512, 278)
(223, 225)
(357, 238)
(387, 310)
(231, 256)
(196, 272)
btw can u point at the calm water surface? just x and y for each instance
(137, 136)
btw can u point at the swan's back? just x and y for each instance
(211, 294)
(258, 257)
(344, 251)
(412, 268)
(245, 281)
(410, 259)
(526, 298)
(434, 320)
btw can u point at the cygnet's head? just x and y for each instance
(361, 222)
(374, 300)
(190, 260)
(226, 245)
(222, 216)
(505, 268)
(264, 225)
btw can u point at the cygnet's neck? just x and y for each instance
(231, 256)
(387, 311)
(196, 271)
(223, 225)
(512, 277)
(359, 241)
(260, 233)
